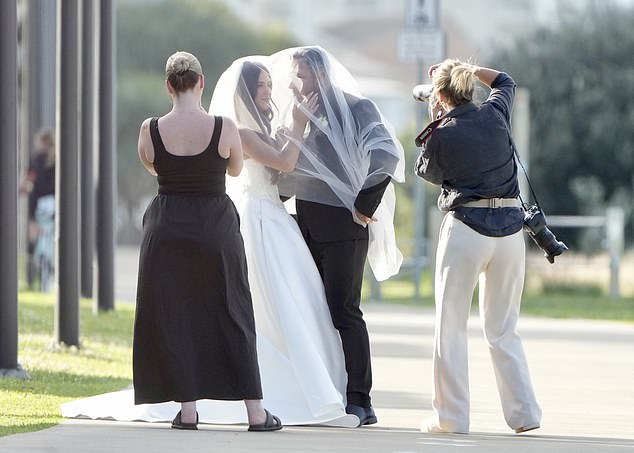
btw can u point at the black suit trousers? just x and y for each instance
(341, 265)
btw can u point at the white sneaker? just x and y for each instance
(431, 425)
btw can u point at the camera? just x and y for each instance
(423, 92)
(536, 227)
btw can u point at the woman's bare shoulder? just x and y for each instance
(145, 125)
(228, 124)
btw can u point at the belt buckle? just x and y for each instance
(495, 202)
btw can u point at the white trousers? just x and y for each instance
(463, 257)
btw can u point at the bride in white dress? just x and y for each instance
(299, 351)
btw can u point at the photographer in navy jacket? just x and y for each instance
(470, 156)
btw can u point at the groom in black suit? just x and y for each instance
(338, 244)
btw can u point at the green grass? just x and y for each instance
(554, 300)
(558, 305)
(102, 364)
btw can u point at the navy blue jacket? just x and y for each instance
(470, 156)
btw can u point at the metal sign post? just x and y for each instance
(420, 41)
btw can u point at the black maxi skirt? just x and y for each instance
(194, 331)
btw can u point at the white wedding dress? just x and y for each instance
(299, 351)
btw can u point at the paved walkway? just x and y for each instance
(583, 372)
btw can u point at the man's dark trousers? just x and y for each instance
(339, 247)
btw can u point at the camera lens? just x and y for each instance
(423, 92)
(549, 244)
(535, 225)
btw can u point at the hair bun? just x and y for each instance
(181, 64)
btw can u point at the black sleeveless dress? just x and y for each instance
(194, 331)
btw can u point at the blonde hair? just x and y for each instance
(455, 80)
(182, 71)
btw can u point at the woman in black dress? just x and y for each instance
(194, 332)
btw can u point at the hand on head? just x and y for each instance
(432, 69)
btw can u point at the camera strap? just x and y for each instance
(425, 134)
(422, 138)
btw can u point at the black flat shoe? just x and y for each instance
(177, 424)
(370, 416)
(272, 423)
(365, 414)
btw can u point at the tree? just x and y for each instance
(581, 81)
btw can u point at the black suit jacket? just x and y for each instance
(326, 223)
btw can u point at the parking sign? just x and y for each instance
(421, 13)
(421, 45)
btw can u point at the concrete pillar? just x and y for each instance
(9, 366)
(521, 123)
(106, 187)
(67, 175)
(87, 142)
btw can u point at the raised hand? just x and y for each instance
(435, 108)
(281, 135)
(307, 105)
(432, 69)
